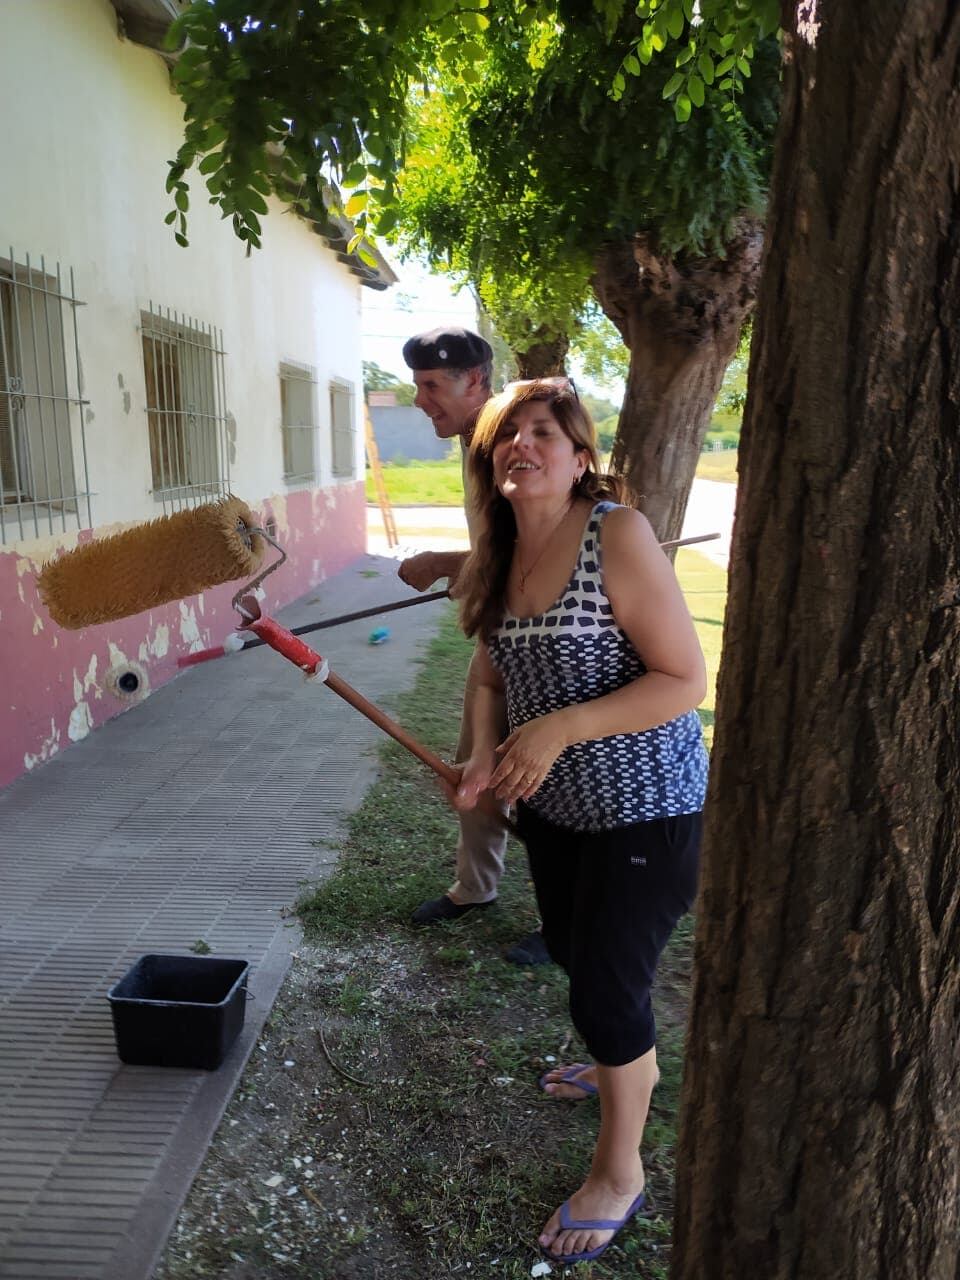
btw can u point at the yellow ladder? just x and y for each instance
(373, 458)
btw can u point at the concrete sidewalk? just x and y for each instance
(192, 816)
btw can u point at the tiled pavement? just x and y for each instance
(189, 817)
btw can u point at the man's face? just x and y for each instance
(449, 403)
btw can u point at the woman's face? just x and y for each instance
(533, 457)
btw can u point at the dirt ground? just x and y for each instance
(372, 1135)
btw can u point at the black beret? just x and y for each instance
(446, 348)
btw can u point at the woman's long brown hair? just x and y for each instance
(483, 582)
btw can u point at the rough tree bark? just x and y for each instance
(680, 320)
(543, 356)
(821, 1100)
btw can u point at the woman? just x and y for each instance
(590, 657)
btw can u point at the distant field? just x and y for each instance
(705, 588)
(718, 466)
(429, 484)
(439, 484)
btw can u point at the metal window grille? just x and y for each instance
(298, 418)
(186, 416)
(343, 428)
(43, 453)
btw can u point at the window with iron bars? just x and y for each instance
(43, 464)
(186, 418)
(298, 417)
(343, 429)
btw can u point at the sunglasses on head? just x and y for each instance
(557, 383)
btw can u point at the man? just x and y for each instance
(452, 369)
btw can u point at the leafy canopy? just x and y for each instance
(451, 212)
(301, 99)
(516, 183)
(712, 43)
(288, 97)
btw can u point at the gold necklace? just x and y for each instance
(524, 574)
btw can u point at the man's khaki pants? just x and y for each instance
(483, 842)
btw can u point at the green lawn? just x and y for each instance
(705, 587)
(430, 484)
(718, 466)
(439, 484)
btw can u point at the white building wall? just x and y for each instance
(83, 170)
(89, 123)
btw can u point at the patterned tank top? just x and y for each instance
(573, 653)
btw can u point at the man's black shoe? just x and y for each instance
(529, 950)
(436, 910)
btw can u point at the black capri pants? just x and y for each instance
(609, 901)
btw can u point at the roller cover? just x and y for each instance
(165, 559)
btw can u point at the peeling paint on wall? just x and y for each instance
(89, 681)
(49, 747)
(81, 722)
(31, 554)
(157, 645)
(189, 630)
(117, 657)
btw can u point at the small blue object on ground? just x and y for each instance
(379, 636)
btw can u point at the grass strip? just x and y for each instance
(440, 484)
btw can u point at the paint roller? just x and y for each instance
(153, 563)
(181, 555)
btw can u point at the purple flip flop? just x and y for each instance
(591, 1224)
(570, 1077)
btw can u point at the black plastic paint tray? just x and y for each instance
(179, 1011)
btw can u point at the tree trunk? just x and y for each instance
(543, 356)
(820, 1130)
(681, 321)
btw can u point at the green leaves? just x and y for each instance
(279, 95)
(514, 189)
(357, 203)
(286, 98)
(211, 162)
(354, 174)
(675, 20)
(716, 39)
(474, 21)
(252, 201)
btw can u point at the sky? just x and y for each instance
(417, 302)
